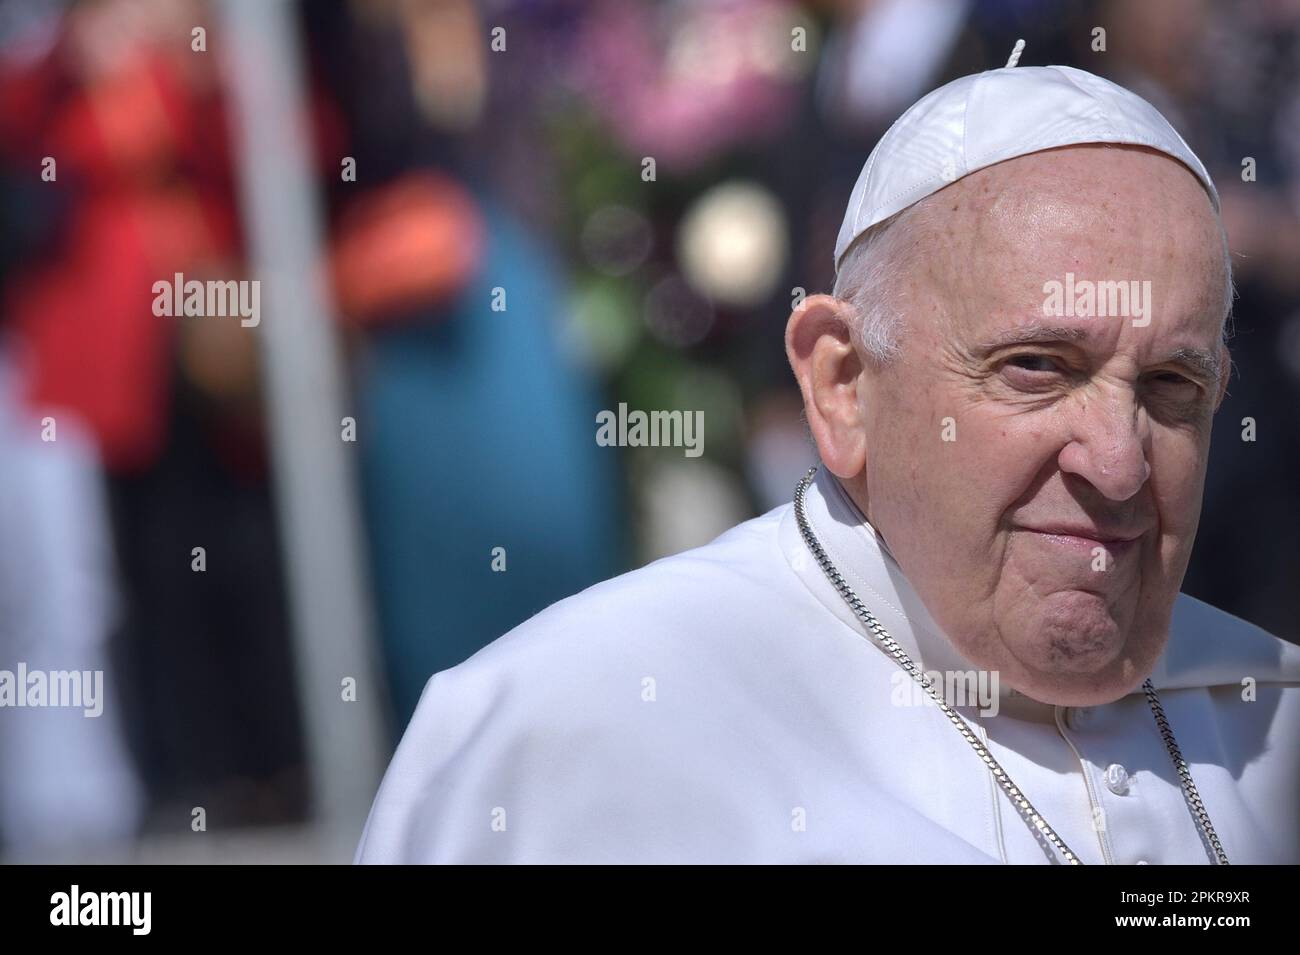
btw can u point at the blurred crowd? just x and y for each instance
(496, 146)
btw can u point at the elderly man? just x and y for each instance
(963, 640)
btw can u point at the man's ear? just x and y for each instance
(819, 344)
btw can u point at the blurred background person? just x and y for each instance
(475, 424)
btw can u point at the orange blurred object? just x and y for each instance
(414, 242)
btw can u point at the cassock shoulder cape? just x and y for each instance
(724, 705)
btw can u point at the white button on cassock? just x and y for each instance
(1117, 779)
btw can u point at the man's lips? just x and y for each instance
(1085, 538)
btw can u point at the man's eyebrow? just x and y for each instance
(1198, 360)
(1026, 334)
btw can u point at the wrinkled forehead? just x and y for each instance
(996, 238)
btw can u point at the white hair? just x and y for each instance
(868, 279)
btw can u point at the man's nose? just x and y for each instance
(1109, 444)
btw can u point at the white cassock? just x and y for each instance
(724, 705)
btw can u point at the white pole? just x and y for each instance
(315, 483)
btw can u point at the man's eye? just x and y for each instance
(1173, 385)
(1034, 362)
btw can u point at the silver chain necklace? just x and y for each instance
(1018, 799)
